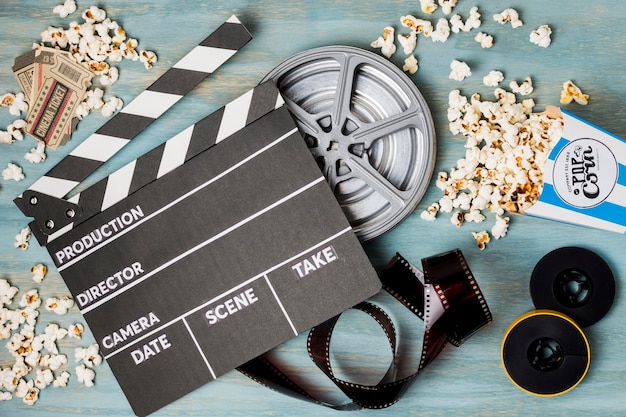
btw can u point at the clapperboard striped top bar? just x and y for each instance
(203, 60)
(197, 138)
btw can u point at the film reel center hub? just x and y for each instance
(545, 354)
(367, 126)
(572, 287)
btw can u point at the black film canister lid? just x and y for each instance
(545, 353)
(574, 281)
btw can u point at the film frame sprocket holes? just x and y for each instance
(545, 352)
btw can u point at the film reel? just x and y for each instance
(545, 353)
(369, 129)
(574, 281)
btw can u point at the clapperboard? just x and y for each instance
(207, 251)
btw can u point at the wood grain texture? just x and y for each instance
(588, 47)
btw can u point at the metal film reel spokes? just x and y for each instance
(367, 126)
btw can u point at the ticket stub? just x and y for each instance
(585, 178)
(43, 61)
(59, 84)
(24, 71)
(30, 68)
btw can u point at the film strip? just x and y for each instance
(446, 296)
(110, 138)
(166, 157)
(545, 352)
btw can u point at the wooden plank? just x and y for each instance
(587, 47)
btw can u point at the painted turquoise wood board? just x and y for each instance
(587, 47)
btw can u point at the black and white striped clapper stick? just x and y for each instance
(148, 106)
(171, 154)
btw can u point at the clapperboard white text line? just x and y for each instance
(129, 228)
(280, 304)
(232, 290)
(202, 245)
(195, 341)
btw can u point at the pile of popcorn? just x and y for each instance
(95, 42)
(507, 145)
(38, 363)
(444, 27)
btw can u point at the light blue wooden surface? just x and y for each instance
(588, 45)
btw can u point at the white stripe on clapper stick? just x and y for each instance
(175, 151)
(205, 56)
(235, 116)
(118, 185)
(151, 104)
(101, 148)
(195, 341)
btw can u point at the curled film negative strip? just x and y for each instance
(445, 296)
(44, 198)
(369, 129)
(545, 352)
